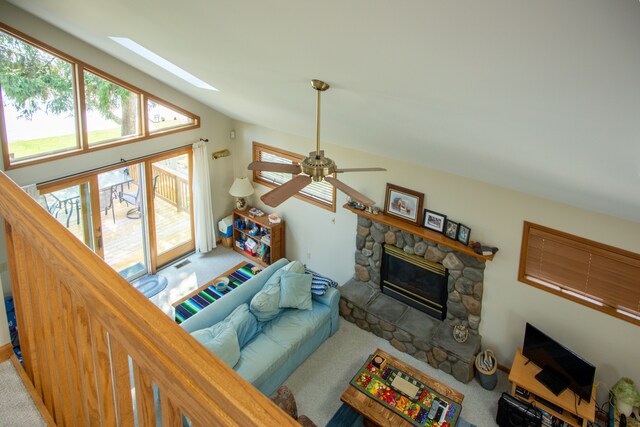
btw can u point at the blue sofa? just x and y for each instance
(282, 343)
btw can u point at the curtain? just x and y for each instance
(202, 210)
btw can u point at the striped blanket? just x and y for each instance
(208, 294)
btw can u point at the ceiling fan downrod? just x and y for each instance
(319, 86)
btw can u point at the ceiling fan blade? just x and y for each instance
(349, 191)
(360, 170)
(274, 167)
(274, 197)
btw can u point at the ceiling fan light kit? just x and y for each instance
(315, 168)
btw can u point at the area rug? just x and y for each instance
(150, 284)
(208, 294)
(346, 416)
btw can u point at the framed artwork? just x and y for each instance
(463, 234)
(434, 220)
(403, 203)
(451, 229)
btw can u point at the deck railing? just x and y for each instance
(85, 331)
(172, 187)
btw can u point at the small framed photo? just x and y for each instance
(451, 229)
(463, 234)
(434, 220)
(403, 203)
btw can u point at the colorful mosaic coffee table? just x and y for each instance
(387, 391)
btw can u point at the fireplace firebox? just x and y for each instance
(415, 281)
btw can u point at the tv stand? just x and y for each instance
(565, 406)
(553, 380)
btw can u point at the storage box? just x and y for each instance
(225, 226)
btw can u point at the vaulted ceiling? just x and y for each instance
(539, 96)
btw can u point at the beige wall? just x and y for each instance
(495, 216)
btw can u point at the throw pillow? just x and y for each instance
(220, 339)
(295, 291)
(265, 304)
(244, 323)
(294, 267)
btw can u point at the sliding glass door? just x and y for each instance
(120, 227)
(137, 217)
(171, 206)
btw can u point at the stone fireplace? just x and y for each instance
(417, 282)
(407, 328)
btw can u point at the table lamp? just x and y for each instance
(240, 189)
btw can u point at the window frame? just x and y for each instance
(80, 115)
(257, 148)
(591, 247)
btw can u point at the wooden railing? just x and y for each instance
(85, 331)
(172, 187)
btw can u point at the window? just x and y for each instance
(38, 103)
(321, 194)
(162, 118)
(53, 105)
(590, 273)
(111, 110)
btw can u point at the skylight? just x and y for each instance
(160, 61)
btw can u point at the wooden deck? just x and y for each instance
(123, 239)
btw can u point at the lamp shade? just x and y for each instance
(241, 188)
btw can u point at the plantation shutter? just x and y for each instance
(595, 271)
(322, 193)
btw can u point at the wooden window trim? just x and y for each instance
(596, 248)
(258, 147)
(81, 133)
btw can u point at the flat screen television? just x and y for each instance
(561, 367)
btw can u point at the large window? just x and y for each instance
(53, 105)
(318, 193)
(591, 273)
(136, 216)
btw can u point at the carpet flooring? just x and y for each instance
(318, 383)
(16, 407)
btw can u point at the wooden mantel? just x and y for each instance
(425, 233)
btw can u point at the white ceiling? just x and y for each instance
(541, 96)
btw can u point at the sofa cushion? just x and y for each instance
(295, 291)
(294, 327)
(244, 323)
(220, 339)
(265, 304)
(260, 359)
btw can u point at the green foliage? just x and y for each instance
(33, 80)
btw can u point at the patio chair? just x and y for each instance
(106, 202)
(134, 200)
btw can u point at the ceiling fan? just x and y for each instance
(316, 167)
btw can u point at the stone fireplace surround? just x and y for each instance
(406, 328)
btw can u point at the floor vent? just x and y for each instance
(183, 263)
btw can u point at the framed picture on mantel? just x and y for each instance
(403, 203)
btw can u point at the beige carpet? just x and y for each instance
(16, 407)
(318, 383)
